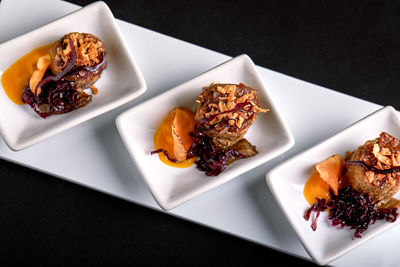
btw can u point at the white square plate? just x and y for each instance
(121, 82)
(287, 182)
(173, 186)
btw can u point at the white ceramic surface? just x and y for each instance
(287, 182)
(122, 81)
(243, 207)
(172, 186)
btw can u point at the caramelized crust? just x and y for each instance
(381, 153)
(225, 112)
(90, 51)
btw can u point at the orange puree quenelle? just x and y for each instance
(326, 177)
(17, 76)
(173, 138)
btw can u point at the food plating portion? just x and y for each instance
(52, 79)
(224, 113)
(358, 191)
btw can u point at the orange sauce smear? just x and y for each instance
(17, 76)
(327, 176)
(163, 138)
(314, 188)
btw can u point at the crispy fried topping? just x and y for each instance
(94, 89)
(228, 98)
(88, 48)
(385, 156)
(382, 153)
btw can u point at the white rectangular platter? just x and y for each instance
(243, 207)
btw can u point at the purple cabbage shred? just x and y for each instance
(210, 159)
(352, 209)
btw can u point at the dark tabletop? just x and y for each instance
(348, 46)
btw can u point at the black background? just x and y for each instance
(348, 46)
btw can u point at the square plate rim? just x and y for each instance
(72, 122)
(290, 141)
(270, 176)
